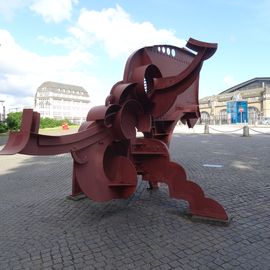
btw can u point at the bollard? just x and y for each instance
(206, 129)
(246, 131)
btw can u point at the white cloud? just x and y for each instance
(77, 39)
(111, 32)
(107, 32)
(115, 30)
(22, 71)
(52, 10)
(8, 7)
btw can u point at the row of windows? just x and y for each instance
(42, 105)
(67, 101)
(76, 104)
(70, 91)
(67, 108)
(63, 90)
(64, 108)
(61, 95)
(60, 113)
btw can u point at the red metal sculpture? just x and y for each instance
(159, 87)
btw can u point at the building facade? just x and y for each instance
(62, 101)
(256, 92)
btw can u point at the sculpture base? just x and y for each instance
(77, 197)
(209, 220)
(152, 186)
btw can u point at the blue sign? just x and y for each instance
(237, 111)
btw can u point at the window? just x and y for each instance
(253, 115)
(223, 116)
(205, 117)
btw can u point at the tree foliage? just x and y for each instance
(3, 128)
(50, 123)
(13, 120)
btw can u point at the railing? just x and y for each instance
(245, 129)
(253, 119)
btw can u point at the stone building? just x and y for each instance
(62, 101)
(255, 91)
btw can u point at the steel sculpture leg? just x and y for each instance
(153, 162)
(76, 193)
(152, 185)
(200, 206)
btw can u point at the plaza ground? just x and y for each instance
(41, 229)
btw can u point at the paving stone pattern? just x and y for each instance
(41, 229)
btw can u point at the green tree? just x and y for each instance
(50, 122)
(14, 120)
(3, 128)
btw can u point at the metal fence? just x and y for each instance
(253, 119)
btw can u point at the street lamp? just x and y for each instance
(2, 115)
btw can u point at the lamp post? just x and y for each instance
(2, 115)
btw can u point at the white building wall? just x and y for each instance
(61, 101)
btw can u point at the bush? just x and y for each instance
(14, 120)
(50, 122)
(3, 128)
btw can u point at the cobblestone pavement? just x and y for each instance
(41, 229)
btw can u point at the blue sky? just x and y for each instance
(87, 42)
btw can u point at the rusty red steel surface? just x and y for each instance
(159, 88)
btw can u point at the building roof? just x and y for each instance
(54, 86)
(246, 83)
